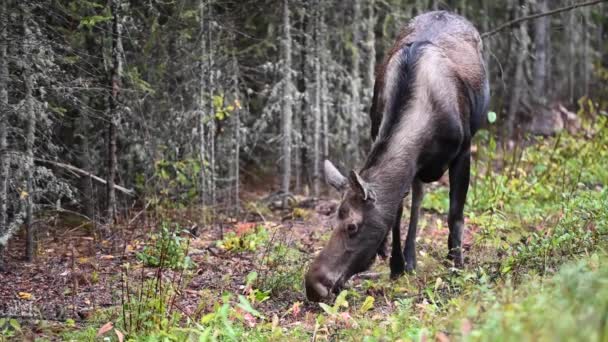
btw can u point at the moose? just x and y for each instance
(430, 96)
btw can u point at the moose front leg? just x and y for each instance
(397, 263)
(409, 251)
(459, 185)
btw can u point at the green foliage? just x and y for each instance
(178, 181)
(287, 265)
(250, 240)
(166, 249)
(9, 328)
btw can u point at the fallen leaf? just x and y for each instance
(295, 309)
(120, 336)
(106, 257)
(249, 319)
(25, 295)
(367, 305)
(105, 328)
(345, 316)
(243, 228)
(441, 337)
(466, 327)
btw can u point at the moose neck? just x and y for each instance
(391, 165)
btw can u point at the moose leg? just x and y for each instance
(382, 248)
(459, 185)
(397, 263)
(409, 251)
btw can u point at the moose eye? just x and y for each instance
(351, 228)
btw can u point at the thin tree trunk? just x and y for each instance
(84, 162)
(202, 109)
(237, 135)
(211, 129)
(116, 80)
(355, 86)
(4, 111)
(572, 41)
(287, 99)
(541, 27)
(519, 79)
(30, 135)
(586, 60)
(317, 99)
(370, 42)
(324, 88)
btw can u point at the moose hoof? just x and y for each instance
(456, 259)
(397, 268)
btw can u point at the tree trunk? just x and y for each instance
(370, 42)
(287, 99)
(572, 58)
(84, 162)
(202, 108)
(541, 27)
(355, 86)
(116, 80)
(519, 79)
(4, 112)
(30, 135)
(586, 59)
(237, 135)
(317, 99)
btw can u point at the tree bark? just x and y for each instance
(370, 43)
(202, 107)
(4, 111)
(30, 136)
(317, 99)
(287, 100)
(355, 87)
(541, 27)
(115, 84)
(519, 79)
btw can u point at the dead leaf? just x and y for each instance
(105, 328)
(295, 309)
(25, 295)
(249, 319)
(120, 336)
(466, 327)
(106, 257)
(243, 228)
(441, 337)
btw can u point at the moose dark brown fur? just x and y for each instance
(429, 98)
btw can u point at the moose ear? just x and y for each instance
(360, 186)
(333, 177)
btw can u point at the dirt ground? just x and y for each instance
(75, 275)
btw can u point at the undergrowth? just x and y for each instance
(537, 269)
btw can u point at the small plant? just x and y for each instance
(244, 240)
(9, 328)
(167, 249)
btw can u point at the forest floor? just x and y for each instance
(74, 275)
(535, 255)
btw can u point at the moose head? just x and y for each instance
(359, 231)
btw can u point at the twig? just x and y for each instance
(538, 15)
(129, 192)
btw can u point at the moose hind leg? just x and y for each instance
(409, 252)
(459, 185)
(397, 263)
